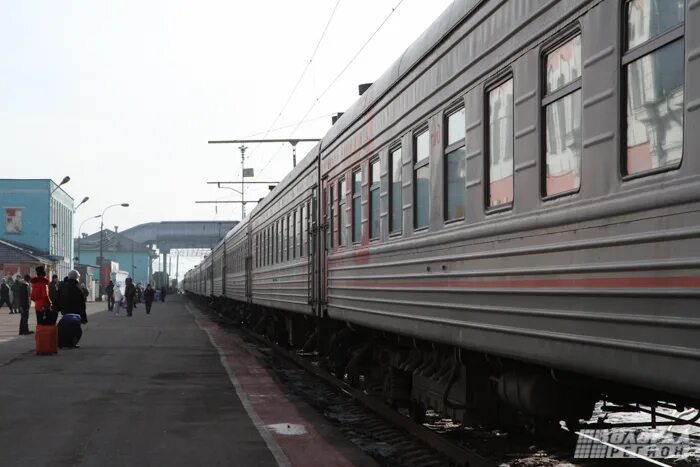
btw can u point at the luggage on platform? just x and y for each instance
(46, 339)
(69, 330)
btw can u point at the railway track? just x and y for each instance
(393, 438)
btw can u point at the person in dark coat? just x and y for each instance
(148, 296)
(5, 295)
(71, 304)
(130, 295)
(163, 290)
(23, 302)
(16, 292)
(53, 289)
(109, 291)
(85, 291)
(139, 294)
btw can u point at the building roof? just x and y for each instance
(113, 241)
(12, 252)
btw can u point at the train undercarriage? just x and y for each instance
(416, 377)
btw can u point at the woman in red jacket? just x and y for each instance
(40, 294)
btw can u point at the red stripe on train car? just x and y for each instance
(680, 282)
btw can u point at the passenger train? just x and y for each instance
(506, 222)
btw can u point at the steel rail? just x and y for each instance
(455, 453)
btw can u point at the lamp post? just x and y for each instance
(102, 235)
(65, 180)
(77, 258)
(81, 203)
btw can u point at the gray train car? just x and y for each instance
(218, 262)
(236, 253)
(523, 183)
(281, 270)
(512, 205)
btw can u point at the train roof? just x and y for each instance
(452, 17)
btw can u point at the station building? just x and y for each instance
(38, 216)
(133, 258)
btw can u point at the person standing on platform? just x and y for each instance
(109, 291)
(163, 291)
(85, 291)
(139, 294)
(23, 301)
(5, 295)
(130, 295)
(118, 297)
(148, 296)
(71, 304)
(53, 289)
(17, 290)
(40, 297)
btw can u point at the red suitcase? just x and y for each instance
(46, 339)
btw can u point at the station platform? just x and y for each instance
(170, 388)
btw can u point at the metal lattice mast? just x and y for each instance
(242, 147)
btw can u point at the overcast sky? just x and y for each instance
(124, 95)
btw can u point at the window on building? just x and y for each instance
(562, 112)
(654, 72)
(357, 206)
(342, 214)
(395, 192)
(374, 189)
(455, 165)
(499, 152)
(421, 179)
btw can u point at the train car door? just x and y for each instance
(312, 249)
(324, 232)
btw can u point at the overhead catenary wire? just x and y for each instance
(303, 73)
(335, 79)
(347, 65)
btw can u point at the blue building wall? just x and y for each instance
(142, 262)
(29, 209)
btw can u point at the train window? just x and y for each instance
(342, 214)
(395, 192)
(375, 178)
(357, 206)
(302, 230)
(562, 113)
(276, 243)
(294, 234)
(290, 237)
(309, 216)
(280, 240)
(421, 179)
(654, 71)
(331, 214)
(499, 154)
(287, 232)
(455, 165)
